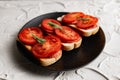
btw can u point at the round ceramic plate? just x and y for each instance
(90, 48)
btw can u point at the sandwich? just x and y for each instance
(45, 48)
(86, 25)
(70, 39)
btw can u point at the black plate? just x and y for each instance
(90, 48)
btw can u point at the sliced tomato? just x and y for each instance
(47, 27)
(72, 17)
(67, 34)
(87, 21)
(48, 48)
(26, 35)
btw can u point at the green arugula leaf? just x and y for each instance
(40, 40)
(55, 25)
(85, 19)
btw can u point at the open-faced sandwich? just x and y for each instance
(70, 39)
(47, 49)
(85, 24)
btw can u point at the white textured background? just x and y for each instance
(14, 14)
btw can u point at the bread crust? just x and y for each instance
(87, 32)
(71, 46)
(52, 60)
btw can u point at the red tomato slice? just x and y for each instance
(48, 48)
(72, 17)
(26, 35)
(67, 35)
(47, 27)
(87, 21)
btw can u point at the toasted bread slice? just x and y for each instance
(71, 46)
(45, 61)
(87, 32)
(54, 58)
